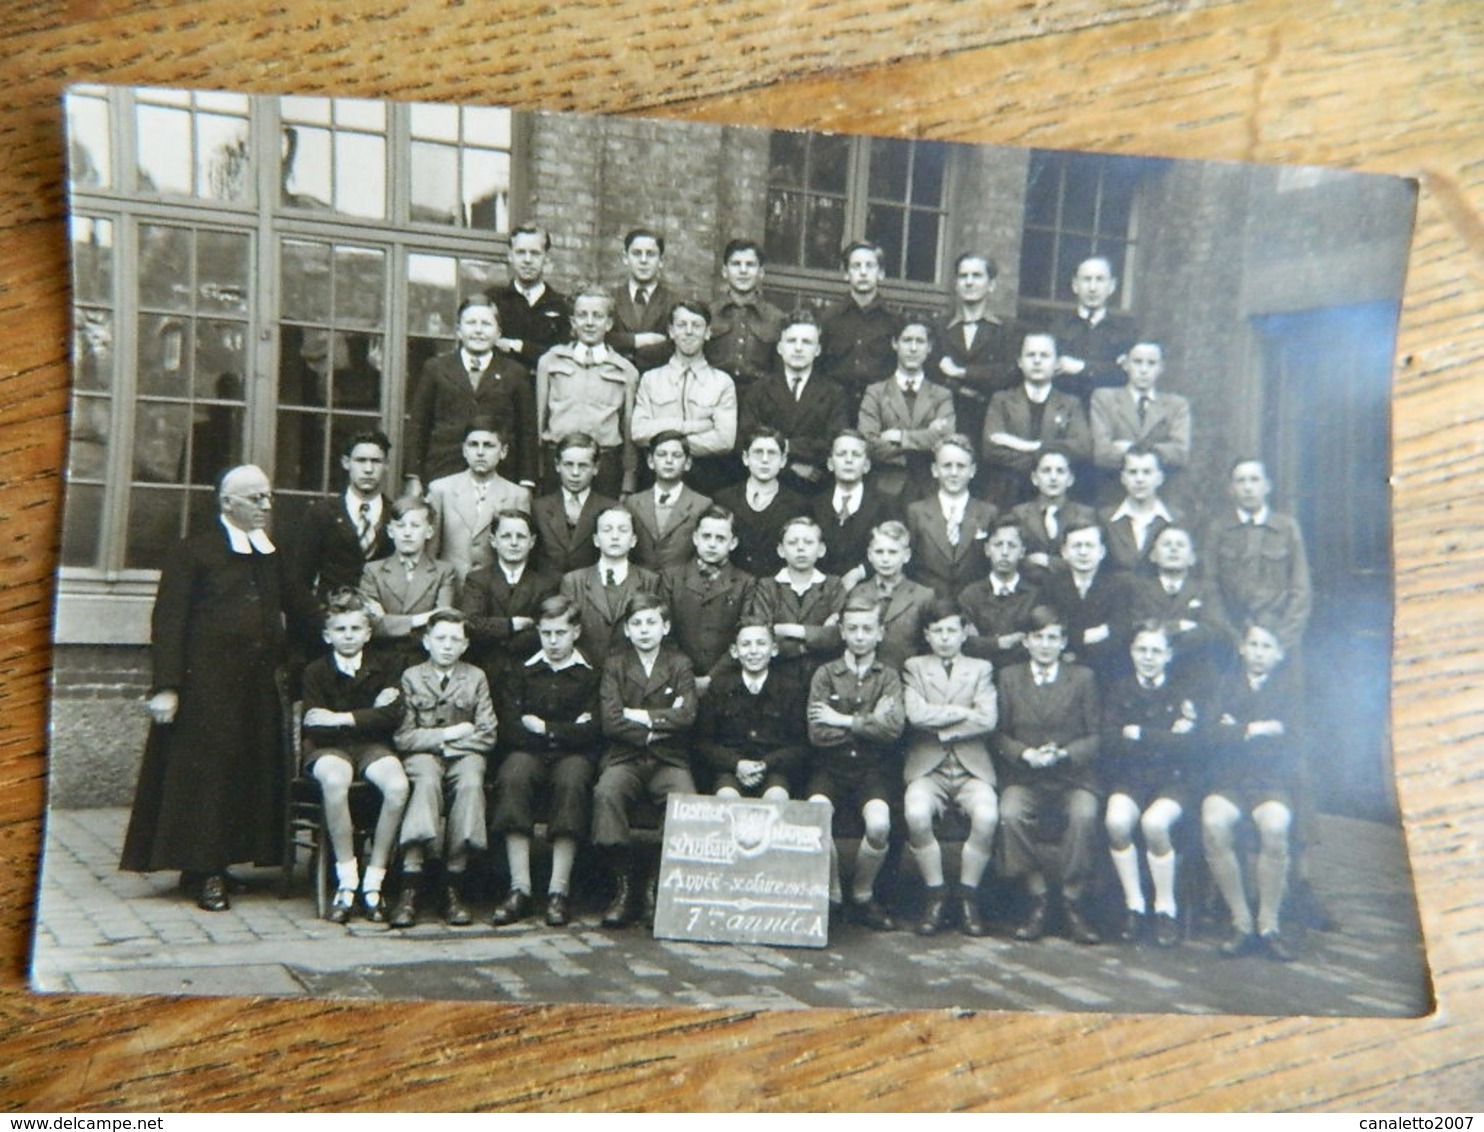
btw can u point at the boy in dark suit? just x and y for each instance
(666, 514)
(565, 519)
(641, 303)
(856, 332)
(404, 589)
(976, 351)
(997, 606)
(1139, 414)
(548, 711)
(1045, 518)
(533, 315)
(455, 388)
(949, 527)
(1094, 338)
(750, 732)
(851, 510)
(708, 595)
(1022, 420)
(648, 700)
(602, 592)
(1188, 607)
(801, 602)
(339, 535)
(760, 505)
(1131, 527)
(501, 600)
(1093, 603)
(902, 601)
(1048, 736)
(903, 417)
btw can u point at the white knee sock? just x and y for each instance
(1126, 865)
(1162, 872)
(348, 874)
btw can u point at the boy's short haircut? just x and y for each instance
(1085, 525)
(991, 268)
(642, 602)
(616, 509)
(1151, 625)
(955, 440)
(800, 316)
(693, 305)
(1007, 523)
(1140, 450)
(800, 521)
(343, 599)
(445, 617)
(668, 435)
(1267, 624)
(1240, 460)
(917, 320)
(859, 602)
(742, 244)
(940, 609)
(861, 246)
(577, 440)
(1178, 528)
(589, 289)
(767, 432)
(1052, 448)
(892, 529)
(1155, 342)
(1028, 335)
(640, 233)
(848, 434)
(1043, 617)
(1102, 259)
(720, 514)
(533, 230)
(753, 623)
(559, 607)
(485, 424)
(371, 436)
(477, 299)
(514, 514)
(407, 504)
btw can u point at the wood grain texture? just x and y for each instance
(1366, 84)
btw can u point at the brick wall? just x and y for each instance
(98, 725)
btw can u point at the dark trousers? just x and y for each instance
(522, 773)
(1028, 817)
(620, 786)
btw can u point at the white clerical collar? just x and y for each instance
(245, 542)
(575, 659)
(348, 665)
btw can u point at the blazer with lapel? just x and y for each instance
(445, 402)
(1064, 422)
(704, 615)
(990, 359)
(901, 618)
(927, 689)
(539, 326)
(1123, 548)
(845, 543)
(327, 554)
(935, 562)
(1107, 603)
(462, 532)
(994, 617)
(774, 602)
(667, 692)
(560, 546)
(655, 550)
(601, 608)
(628, 321)
(1064, 712)
(810, 423)
(884, 407)
(490, 602)
(1030, 516)
(1166, 428)
(433, 585)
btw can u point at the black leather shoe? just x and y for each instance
(872, 914)
(1078, 929)
(556, 910)
(1033, 927)
(1166, 930)
(213, 897)
(1132, 927)
(1272, 946)
(341, 908)
(1239, 943)
(516, 907)
(651, 901)
(373, 907)
(969, 918)
(620, 910)
(404, 915)
(455, 915)
(935, 913)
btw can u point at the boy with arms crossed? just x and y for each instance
(904, 417)
(403, 590)
(708, 595)
(997, 606)
(501, 600)
(1022, 420)
(902, 601)
(801, 602)
(760, 505)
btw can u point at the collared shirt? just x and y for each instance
(1091, 317)
(1255, 518)
(578, 393)
(641, 293)
(592, 355)
(1140, 395)
(1141, 521)
(1171, 586)
(1256, 682)
(1037, 394)
(620, 571)
(475, 363)
(245, 542)
(576, 658)
(953, 508)
(531, 296)
(1151, 684)
(760, 496)
(849, 499)
(754, 684)
(797, 383)
(354, 503)
(783, 577)
(1046, 675)
(348, 665)
(908, 384)
(1004, 589)
(513, 576)
(687, 390)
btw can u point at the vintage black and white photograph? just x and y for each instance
(531, 557)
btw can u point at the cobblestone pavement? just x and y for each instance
(100, 930)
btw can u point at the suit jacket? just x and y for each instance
(769, 727)
(327, 553)
(845, 543)
(629, 320)
(901, 618)
(774, 602)
(704, 615)
(667, 692)
(1198, 601)
(810, 423)
(433, 585)
(1063, 422)
(1064, 712)
(927, 689)
(1106, 603)
(758, 532)
(937, 563)
(429, 709)
(462, 533)
(1123, 548)
(561, 547)
(1098, 346)
(1166, 429)
(602, 607)
(1037, 541)
(990, 360)
(444, 403)
(884, 408)
(658, 550)
(994, 617)
(490, 602)
(539, 326)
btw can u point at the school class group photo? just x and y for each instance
(940, 574)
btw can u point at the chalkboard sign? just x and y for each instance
(741, 870)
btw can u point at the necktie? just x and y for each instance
(476, 367)
(1051, 527)
(573, 509)
(955, 531)
(610, 579)
(797, 385)
(843, 512)
(664, 500)
(641, 300)
(1042, 676)
(948, 669)
(443, 682)
(366, 531)
(1143, 408)
(909, 394)
(1146, 684)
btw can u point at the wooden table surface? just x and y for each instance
(1367, 84)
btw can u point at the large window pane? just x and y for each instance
(165, 267)
(164, 151)
(435, 183)
(306, 168)
(222, 260)
(884, 226)
(82, 525)
(432, 294)
(223, 167)
(787, 159)
(92, 350)
(829, 163)
(304, 272)
(221, 360)
(89, 143)
(825, 233)
(890, 161)
(929, 163)
(360, 175)
(304, 108)
(487, 189)
(163, 356)
(360, 279)
(922, 246)
(434, 120)
(92, 259)
(91, 426)
(160, 433)
(361, 113)
(487, 126)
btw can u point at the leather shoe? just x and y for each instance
(968, 907)
(340, 909)
(455, 915)
(556, 910)
(191, 882)
(1274, 948)
(620, 910)
(516, 907)
(1078, 929)
(373, 907)
(1033, 927)
(404, 915)
(1239, 943)
(213, 897)
(1166, 930)
(1132, 927)
(935, 913)
(873, 914)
